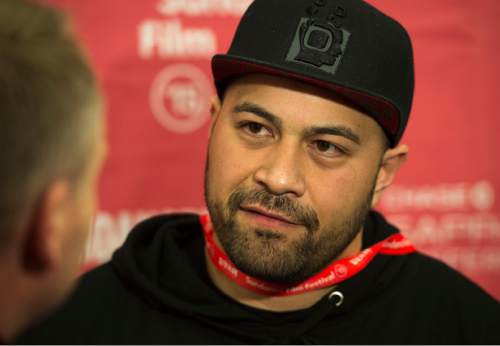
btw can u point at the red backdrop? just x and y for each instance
(152, 57)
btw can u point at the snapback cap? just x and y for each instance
(347, 46)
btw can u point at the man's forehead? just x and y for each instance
(299, 107)
(281, 96)
(257, 82)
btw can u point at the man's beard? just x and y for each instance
(268, 254)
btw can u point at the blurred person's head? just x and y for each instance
(52, 146)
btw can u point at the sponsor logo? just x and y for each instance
(179, 98)
(479, 196)
(456, 222)
(474, 261)
(447, 228)
(320, 42)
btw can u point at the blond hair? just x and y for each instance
(49, 103)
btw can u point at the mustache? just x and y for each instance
(282, 204)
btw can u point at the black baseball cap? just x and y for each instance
(347, 46)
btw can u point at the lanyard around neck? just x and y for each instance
(336, 272)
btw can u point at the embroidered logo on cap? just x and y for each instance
(320, 42)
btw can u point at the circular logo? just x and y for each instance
(482, 196)
(179, 98)
(340, 270)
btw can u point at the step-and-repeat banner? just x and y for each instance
(153, 60)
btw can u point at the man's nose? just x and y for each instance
(281, 172)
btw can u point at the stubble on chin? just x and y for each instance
(273, 256)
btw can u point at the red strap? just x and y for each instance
(338, 271)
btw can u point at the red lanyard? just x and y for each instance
(396, 244)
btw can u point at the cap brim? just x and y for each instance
(226, 67)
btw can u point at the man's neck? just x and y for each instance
(274, 303)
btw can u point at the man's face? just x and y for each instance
(290, 176)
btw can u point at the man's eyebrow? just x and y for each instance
(336, 130)
(248, 107)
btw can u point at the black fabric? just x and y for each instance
(156, 291)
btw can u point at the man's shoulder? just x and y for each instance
(433, 272)
(450, 299)
(427, 301)
(424, 271)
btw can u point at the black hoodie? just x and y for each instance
(156, 290)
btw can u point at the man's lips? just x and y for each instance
(269, 214)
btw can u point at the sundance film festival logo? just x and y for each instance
(341, 270)
(179, 98)
(160, 38)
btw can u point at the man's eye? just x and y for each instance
(327, 148)
(256, 129)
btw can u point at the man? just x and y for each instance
(313, 98)
(51, 135)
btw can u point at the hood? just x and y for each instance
(163, 261)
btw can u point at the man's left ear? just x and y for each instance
(391, 162)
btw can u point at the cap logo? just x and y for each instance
(320, 42)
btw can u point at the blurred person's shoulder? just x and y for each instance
(125, 291)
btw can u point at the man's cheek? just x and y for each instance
(229, 172)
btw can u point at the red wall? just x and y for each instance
(153, 56)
